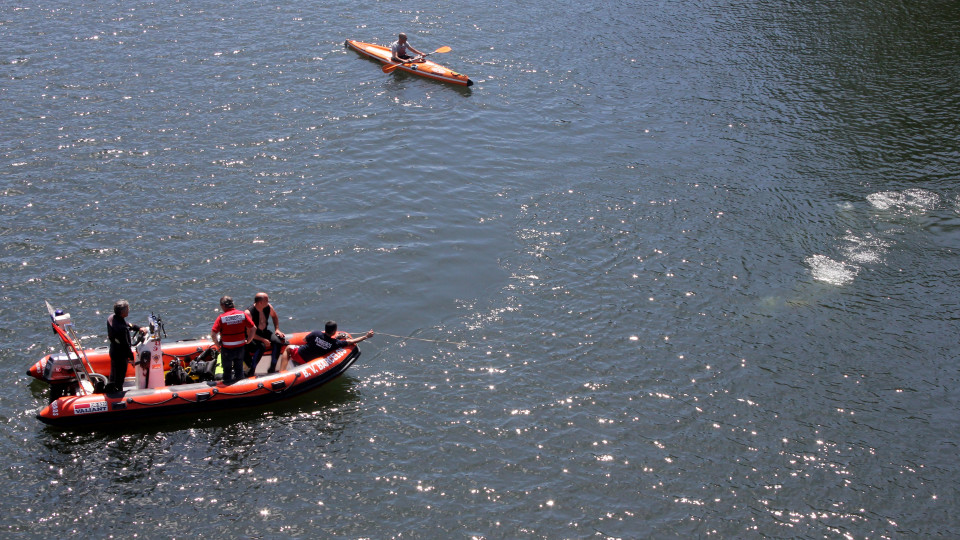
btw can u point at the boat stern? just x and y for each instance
(52, 368)
(36, 370)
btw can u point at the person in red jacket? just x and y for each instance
(232, 330)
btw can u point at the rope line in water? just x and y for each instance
(378, 333)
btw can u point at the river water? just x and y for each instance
(677, 269)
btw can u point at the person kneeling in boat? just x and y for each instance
(317, 344)
(399, 48)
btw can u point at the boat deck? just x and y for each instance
(130, 383)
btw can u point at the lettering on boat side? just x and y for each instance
(316, 367)
(55, 408)
(87, 408)
(319, 365)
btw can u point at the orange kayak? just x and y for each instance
(428, 69)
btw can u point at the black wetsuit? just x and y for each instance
(121, 353)
(256, 348)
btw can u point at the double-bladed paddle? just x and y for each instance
(388, 68)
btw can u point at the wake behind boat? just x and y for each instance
(179, 379)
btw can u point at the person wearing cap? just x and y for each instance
(232, 330)
(121, 348)
(400, 49)
(262, 312)
(317, 344)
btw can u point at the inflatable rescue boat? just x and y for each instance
(179, 379)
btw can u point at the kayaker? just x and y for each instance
(399, 50)
(232, 330)
(262, 312)
(317, 344)
(121, 348)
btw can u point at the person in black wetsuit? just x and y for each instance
(262, 312)
(318, 343)
(121, 348)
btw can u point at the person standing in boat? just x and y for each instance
(400, 49)
(121, 347)
(262, 312)
(232, 330)
(317, 344)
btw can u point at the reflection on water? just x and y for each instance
(165, 465)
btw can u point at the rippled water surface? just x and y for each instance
(665, 270)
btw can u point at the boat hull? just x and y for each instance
(122, 408)
(428, 69)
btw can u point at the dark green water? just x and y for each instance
(672, 269)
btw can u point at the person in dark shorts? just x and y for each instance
(317, 344)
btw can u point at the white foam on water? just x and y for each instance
(830, 271)
(864, 249)
(867, 248)
(922, 199)
(909, 201)
(885, 199)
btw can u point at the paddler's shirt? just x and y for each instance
(399, 50)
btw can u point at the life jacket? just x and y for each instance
(232, 328)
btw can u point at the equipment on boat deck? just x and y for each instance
(149, 359)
